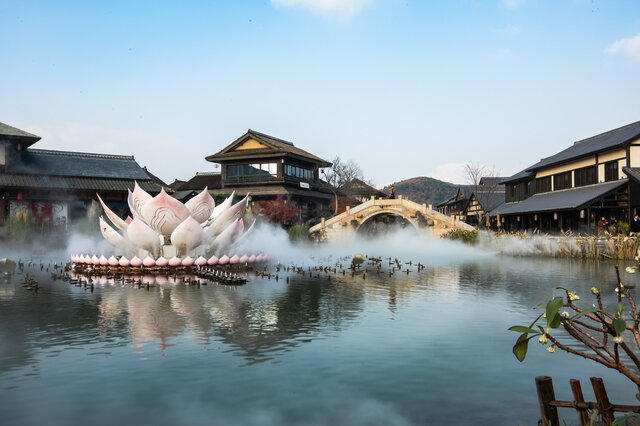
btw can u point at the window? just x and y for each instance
(543, 184)
(585, 176)
(251, 172)
(298, 172)
(611, 171)
(512, 191)
(529, 187)
(562, 181)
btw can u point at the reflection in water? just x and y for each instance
(392, 340)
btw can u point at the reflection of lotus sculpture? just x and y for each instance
(162, 224)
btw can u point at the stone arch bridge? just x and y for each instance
(426, 220)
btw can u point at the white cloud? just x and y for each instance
(450, 172)
(512, 4)
(327, 7)
(627, 46)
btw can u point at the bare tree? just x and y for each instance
(475, 172)
(339, 174)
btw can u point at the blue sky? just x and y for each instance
(405, 88)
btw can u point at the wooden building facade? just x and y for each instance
(267, 167)
(571, 190)
(57, 187)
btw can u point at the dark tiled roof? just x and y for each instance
(358, 187)
(604, 141)
(73, 183)
(74, 164)
(523, 174)
(562, 200)
(14, 134)
(176, 184)
(491, 180)
(271, 190)
(633, 173)
(490, 199)
(279, 147)
(156, 179)
(211, 180)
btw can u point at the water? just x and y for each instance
(424, 348)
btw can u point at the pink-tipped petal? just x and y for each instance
(212, 261)
(136, 262)
(113, 261)
(103, 261)
(200, 261)
(161, 262)
(252, 258)
(187, 261)
(244, 258)
(124, 262)
(95, 260)
(234, 259)
(224, 260)
(148, 262)
(175, 261)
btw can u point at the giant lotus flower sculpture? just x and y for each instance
(195, 228)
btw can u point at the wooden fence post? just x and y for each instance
(579, 397)
(604, 406)
(544, 386)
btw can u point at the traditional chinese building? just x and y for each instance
(267, 167)
(473, 203)
(571, 190)
(56, 187)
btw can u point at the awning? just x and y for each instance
(566, 199)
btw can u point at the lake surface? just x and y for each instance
(428, 347)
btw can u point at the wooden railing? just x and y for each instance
(602, 407)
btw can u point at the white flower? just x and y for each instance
(573, 295)
(565, 314)
(543, 339)
(630, 270)
(595, 290)
(618, 339)
(551, 349)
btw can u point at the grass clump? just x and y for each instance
(299, 233)
(467, 237)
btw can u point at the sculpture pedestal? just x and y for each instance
(168, 251)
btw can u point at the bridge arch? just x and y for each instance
(423, 218)
(383, 211)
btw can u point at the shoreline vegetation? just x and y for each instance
(592, 247)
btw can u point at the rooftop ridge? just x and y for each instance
(207, 173)
(82, 154)
(271, 137)
(607, 132)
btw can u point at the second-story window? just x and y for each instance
(562, 181)
(585, 176)
(611, 171)
(298, 172)
(529, 186)
(543, 184)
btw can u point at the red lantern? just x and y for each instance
(19, 196)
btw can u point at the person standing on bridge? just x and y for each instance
(392, 192)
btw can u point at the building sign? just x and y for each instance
(304, 185)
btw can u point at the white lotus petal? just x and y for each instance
(114, 218)
(224, 240)
(201, 206)
(139, 198)
(227, 217)
(142, 236)
(164, 213)
(112, 236)
(219, 209)
(187, 235)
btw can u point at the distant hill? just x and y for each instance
(424, 190)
